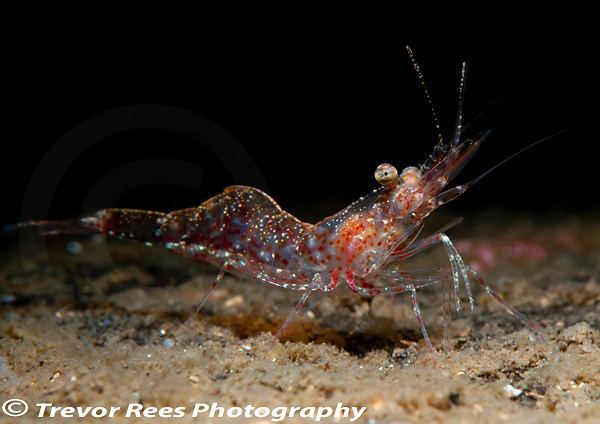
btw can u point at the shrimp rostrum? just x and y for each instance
(245, 232)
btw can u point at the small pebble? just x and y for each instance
(234, 301)
(74, 247)
(8, 298)
(512, 391)
(168, 343)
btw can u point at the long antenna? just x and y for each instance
(475, 180)
(461, 100)
(483, 112)
(434, 116)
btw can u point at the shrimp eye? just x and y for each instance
(386, 174)
(410, 175)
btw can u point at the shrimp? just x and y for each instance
(243, 231)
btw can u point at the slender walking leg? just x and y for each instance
(455, 258)
(299, 306)
(418, 247)
(419, 318)
(447, 300)
(510, 309)
(412, 249)
(459, 269)
(418, 279)
(226, 266)
(446, 309)
(365, 289)
(260, 272)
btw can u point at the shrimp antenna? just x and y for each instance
(461, 100)
(475, 180)
(483, 112)
(454, 192)
(434, 115)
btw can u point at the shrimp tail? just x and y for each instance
(72, 226)
(138, 225)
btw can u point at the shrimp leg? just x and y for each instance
(446, 310)
(299, 306)
(458, 266)
(412, 287)
(260, 272)
(512, 311)
(420, 322)
(265, 273)
(226, 266)
(423, 280)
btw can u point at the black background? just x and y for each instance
(318, 98)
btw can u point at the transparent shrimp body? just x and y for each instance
(244, 231)
(359, 239)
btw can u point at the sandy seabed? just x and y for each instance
(91, 324)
